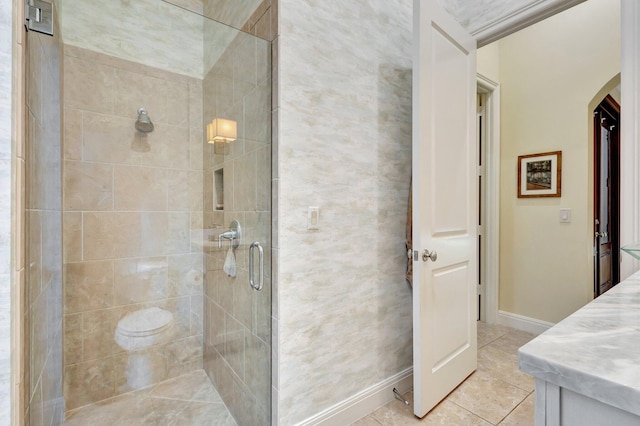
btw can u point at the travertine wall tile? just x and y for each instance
(72, 236)
(110, 139)
(132, 204)
(89, 86)
(165, 233)
(97, 334)
(140, 280)
(168, 147)
(139, 189)
(88, 186)
(72, 134)
(42, 229)
(88, 286)
(87, 382)
(111, 235)
(72, 339)
(185, 277)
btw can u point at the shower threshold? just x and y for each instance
(188, 400)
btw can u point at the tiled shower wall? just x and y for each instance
(43, 257)
(131, 204)
(238, 319)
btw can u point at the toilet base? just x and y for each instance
(144, 368)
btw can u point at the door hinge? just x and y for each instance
(39, 16)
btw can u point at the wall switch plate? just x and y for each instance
(565, 215)
(313, 218)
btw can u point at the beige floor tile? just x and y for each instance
(497, 390)
(487, 333)
(511, 341)
(397, 413)
(504, 366)
(205, 414)
(522, 415)
(124, 409)
(487, 397)
(447, 413)
(387, 416)
(194, 386)
(370, 420)
(164, 411)
(444, 414)
(186, 400)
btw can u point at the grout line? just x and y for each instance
(470, 412)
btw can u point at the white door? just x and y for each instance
(444, 205)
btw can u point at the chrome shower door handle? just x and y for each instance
(252, 282)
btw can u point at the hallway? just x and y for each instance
(496, 394)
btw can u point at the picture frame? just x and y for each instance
(540, 175)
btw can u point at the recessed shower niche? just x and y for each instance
(218, 189)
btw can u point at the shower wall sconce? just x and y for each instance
(220, 132)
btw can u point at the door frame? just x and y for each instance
(492, 197)
(629, 132)
(611, 107)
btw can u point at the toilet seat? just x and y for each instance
(145, 322)
(142, 328)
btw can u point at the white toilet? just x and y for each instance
(135, 333)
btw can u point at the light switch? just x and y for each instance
(565, 215)
(313, 218)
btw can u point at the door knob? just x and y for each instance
(426, 255)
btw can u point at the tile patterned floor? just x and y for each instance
(496, 394)
(190, 399)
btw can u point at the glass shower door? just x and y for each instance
(237, 187)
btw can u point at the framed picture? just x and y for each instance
(539, 175)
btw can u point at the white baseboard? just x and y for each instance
(520, 322)
(363, 403)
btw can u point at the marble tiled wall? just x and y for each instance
(6, 266)
(237, 352)
(131, 206)
(344, 144)
(43, 216)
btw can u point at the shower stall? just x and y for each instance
(148, 214)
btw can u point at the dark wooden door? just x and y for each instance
(606, 195)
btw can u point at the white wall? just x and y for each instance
(344, 311)
(548, 74)
(488, 61)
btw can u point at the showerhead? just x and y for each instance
(144, 124)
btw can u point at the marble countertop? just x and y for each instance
(595, 351)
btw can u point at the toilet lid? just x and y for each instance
(145, 322)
